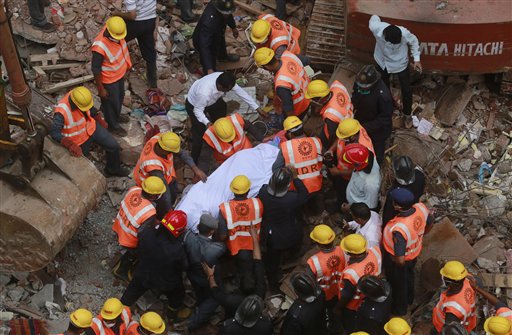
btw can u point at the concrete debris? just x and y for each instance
(494, 205)
(16, 293)
(40, 298)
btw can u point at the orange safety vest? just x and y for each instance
(362, 139)
(291, 75)
(150, 161)
(504, 312)
(281, 33)
(462, 305)
(133, 328)
(239, 216)
(77, 126)
(100, 329)
(223, 150)
(412, 228)
(116, 58)
(327, 267)
(134, 211)
(339, 106)
(305, 154)
(371, 265)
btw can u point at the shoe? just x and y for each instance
(47, 27)
(121, 132)
(408, 121)
(190, 19)
(121, 272)
(123, 118)
(178, 315)
(121, 172)
(230, 58)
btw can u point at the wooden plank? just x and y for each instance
(248, 8)
(26, 311)
(39, 71)
(44, 58)
(502, 280)
(58, 66)
(68, 83)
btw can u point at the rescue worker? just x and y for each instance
(498, 325)
(282, 228)
(140, 19)
(150, 323)
(77, 124)
(235, 219)
(205, 105)
(334, 105)
(290, 81)
(361, 261)
(457, 302)
(392, 44)
(349, 131)
(227, 136)
(209, 34)
(502, 309)
(137, 209)
(326, 266)
(278, 35)
(249, 319)
(306, 316)
(406, 175)
(364, 184)
(402, 242)
(366, 222)
(113, 319)
(375, 310)
(302, 153)
(79, 321)
(157, 159)
(397, 326)
(373, 107)
(161, 264)
(110, 62)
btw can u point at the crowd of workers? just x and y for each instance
(362, 285)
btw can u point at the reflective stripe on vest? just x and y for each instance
(462, 305)
(336, 110)
(125, 317)
(318, 267)
(328, 267)
(116, 60)
(111, 58)
(296, 82)
(504, 312)
(240, 141)
(77, 126)
(308, 170)
(150, 161)
(99, 325)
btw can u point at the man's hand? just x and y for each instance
(102, 92)
(209, 271)
(199, 173)
(100, 120)
(262, 113)
(210, 71)
(74, 149)
(293, 171)
(235, 32)
(209, 124)
(253, 230)
(418, 67)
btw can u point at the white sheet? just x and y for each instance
(255, 163)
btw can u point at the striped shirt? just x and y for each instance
(146, 9)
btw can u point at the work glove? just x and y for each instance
(72, 147)
(99, 118)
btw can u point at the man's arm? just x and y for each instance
(230, 21)
(376, 25)
(222, 230)
(302, 191)
(400, 245)
(97, 60)
(385, 113)
(347, 293)
(187, 159)
(245, 97)
(200, 115)
(285, 94)
(207, 59)
(57, 125)
(130, 15)
(254, 131)
(279, 162)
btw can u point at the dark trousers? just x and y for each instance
(205, 303)
(244, 261)
(136, 288)
(214, 112)
(349, 321)
(272, 261)
(112, 104)
(104, 139)
(379, 145)
(401, 279)
(405, 85)
(36, 11)
(217, 51)
(143, 31)
(164, 204)
(340, 184)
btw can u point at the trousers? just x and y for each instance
(405, 85)
(206, 304)
(104, 139)
(143, 31)
(401, 279)
(164, 204)
(112, 104)
(36, 11)
(136, 289)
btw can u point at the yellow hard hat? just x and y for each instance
(498, 325)
(263, 56)
(116, 27)
(152, 322)
(347, 127)
(322, 234)
(359, 333)
(82, 98)
(291, 122)
(170, 141)
(317, 89)
(153, 185)
(111, 309)
(260, 31)
(81, 318)
(454, 270)
(224, 129)
(397, 326)
(240, 185)
(353, 244)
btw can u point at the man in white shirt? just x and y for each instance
(391, 54)
(205, 105)
(366, 222)
(140, 18)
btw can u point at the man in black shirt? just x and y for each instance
(306, 315)
(375, 310)
(373, 107)
(249, 319)
(209, 33)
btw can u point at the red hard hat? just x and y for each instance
(175, 222)
(356, 155)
